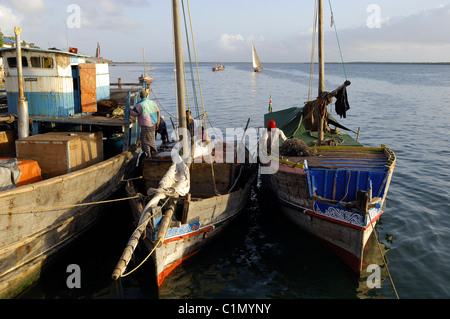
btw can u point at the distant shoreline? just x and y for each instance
(406, 63)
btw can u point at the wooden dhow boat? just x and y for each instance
(195, 197)
(183, 223)
(55, 177)
(325, 181)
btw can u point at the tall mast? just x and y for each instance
(179, 64)
(143, 58)
(321, 69)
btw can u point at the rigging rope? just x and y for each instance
(193, 83)
(337, 38)
(151, 90)
(194, 91)
(311, 72)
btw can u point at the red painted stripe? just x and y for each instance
(163, 274)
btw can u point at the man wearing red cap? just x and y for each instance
(272, 136)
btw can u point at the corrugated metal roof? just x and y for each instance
(6, 40)
(46, 51)
(88, 58)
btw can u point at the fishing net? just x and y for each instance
(296, 147)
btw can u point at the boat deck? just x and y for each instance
(357, 158)
(88, 119)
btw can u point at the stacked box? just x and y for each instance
(62, 152)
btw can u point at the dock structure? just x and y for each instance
(65, 89)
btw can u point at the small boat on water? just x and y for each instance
(219, 67)
(323, 179)
(195, 198)
(148, 79)
(257, 66)
(55, 175)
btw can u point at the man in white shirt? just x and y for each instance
(269, 145)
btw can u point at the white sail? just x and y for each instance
(256, 63)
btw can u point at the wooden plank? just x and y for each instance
(88, 89)
(28, 236)
(202, 181)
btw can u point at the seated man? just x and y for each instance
(162, 130)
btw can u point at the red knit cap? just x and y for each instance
(271, 124)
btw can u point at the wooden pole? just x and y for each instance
(321, 71)
(22, 104)
(165, 222)
(131, 246)
(134, 239)
(179, 62)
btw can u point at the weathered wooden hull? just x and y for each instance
(342, 226)
(209, 217)
(39, 219)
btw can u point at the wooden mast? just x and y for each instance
(321, 70)
(143, 58)
(179, 62)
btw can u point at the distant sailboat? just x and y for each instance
(257, 67)
(145, 77)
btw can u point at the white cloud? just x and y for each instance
(230, 42)
(416, 38)
(109, 7)
(28, 7)
(106, 15)
(8, 20)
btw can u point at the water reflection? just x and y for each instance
(374, 274)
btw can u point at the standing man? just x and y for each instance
(148, 116)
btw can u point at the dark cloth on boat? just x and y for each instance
(341, 105)
(148, 141)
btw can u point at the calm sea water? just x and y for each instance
(400, 105)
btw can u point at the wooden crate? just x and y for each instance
(62, 152)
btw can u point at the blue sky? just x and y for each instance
(379, 31)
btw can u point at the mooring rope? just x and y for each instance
(151, 90)
(34, 210)
(384, 261)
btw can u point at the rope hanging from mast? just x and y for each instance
(333, 23)
(311, 72)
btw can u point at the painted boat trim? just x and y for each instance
(344, 217)
(163, 274)
(190, 234)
